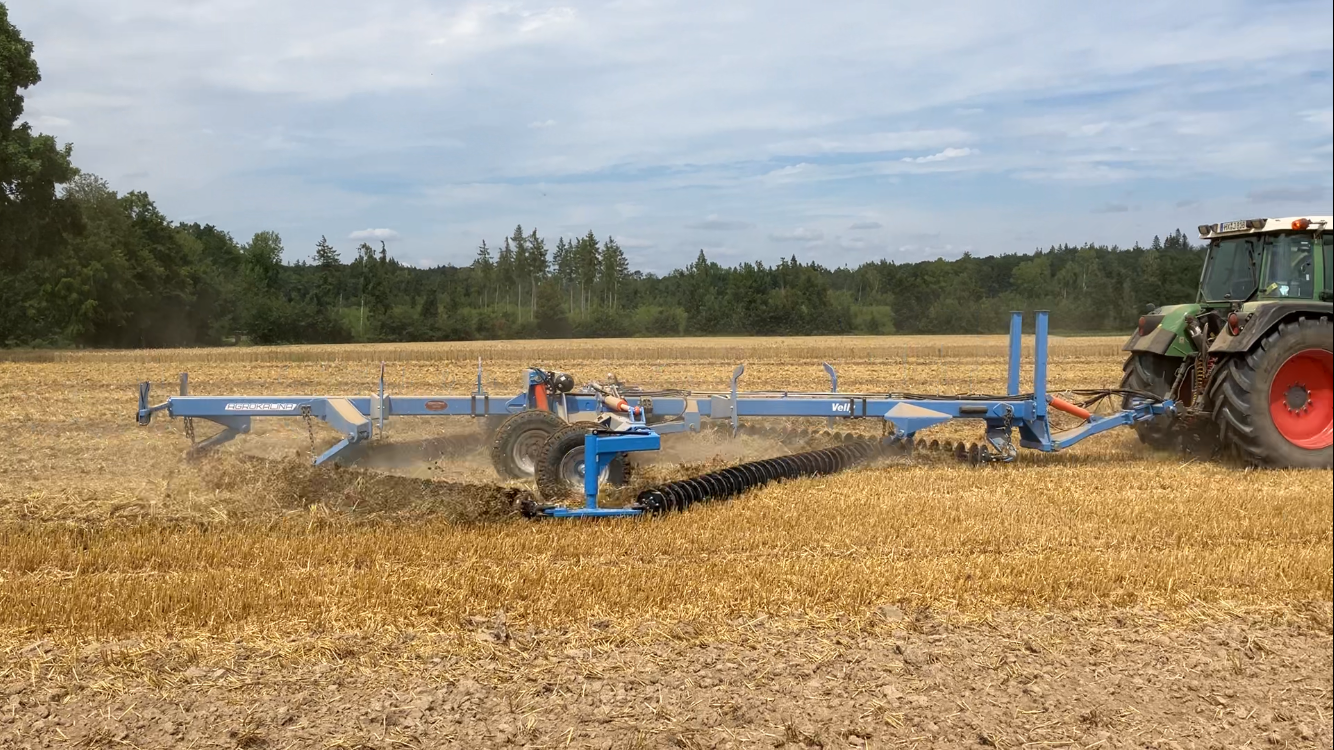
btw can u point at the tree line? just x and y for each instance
(82, 265)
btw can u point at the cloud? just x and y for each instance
(790, 173)
(1112, 208)
(715, 224)
(415, 114)
(634, 243)
(864, 225)
(1322, 117)
(1287, 194)
(874, 142)
(373, 234)
(1186, 203)
(949, 153)
(800, 234)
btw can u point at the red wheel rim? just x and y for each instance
(1301, 399)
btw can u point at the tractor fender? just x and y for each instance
(1259, 318)
(1168, 335)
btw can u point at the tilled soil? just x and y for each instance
(1019, 679)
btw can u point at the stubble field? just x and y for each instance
(1106, 597)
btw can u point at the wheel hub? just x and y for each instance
(1298, 398)
(1301, 399)
(572, 468)
(527, 448)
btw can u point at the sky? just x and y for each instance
(838, 132)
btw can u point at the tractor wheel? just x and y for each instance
(517, 445)
(1151, 373)
(560, 469)
(1275, 404)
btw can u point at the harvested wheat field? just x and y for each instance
(1106, 597)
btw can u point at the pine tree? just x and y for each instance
(522, 267)
(485, 269)
(562, 258)
(330, 269)
(588, 261)
(505, 267)
(614, 269)
(537, 265)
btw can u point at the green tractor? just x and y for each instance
(1250, 362)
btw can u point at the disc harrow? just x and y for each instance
(597, 426)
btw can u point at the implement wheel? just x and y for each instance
(1274, 405)
(517, 445)
(1153, 373)
(560, 470)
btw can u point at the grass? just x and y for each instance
(105, 531)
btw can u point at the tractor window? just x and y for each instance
(1289, 267)
(1229, 272)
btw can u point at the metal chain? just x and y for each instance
(190, 430)
(310, 428)
(986, 443)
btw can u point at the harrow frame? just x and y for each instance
(358, 417)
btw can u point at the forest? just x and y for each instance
(82, 265)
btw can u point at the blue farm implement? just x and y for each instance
(573, 440)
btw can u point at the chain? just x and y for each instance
(310, 428)
(190, 430)
(1005, 447)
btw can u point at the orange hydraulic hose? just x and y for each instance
(1069, 408)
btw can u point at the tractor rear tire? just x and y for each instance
(517, 445)
(560, 470)
(1273, 403)
(1156, 374)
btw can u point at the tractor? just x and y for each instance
(1249, 363)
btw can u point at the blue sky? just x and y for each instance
(839, 132)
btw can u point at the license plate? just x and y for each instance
(1232, 226)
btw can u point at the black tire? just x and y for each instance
(1239, 396)
(1152, 373)
(517, 445)
(560, 468)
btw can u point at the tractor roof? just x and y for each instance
(1265, 226)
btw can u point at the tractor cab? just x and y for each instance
(1258, 260)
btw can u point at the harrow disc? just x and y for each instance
(732, 481)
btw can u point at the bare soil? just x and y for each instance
(1112, 679)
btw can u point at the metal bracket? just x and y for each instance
(833, 387)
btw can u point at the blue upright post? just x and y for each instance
(1040, 365)
(592, 471)
(1016, 352)
(382, 403)
(736, 413)
(833, 387)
